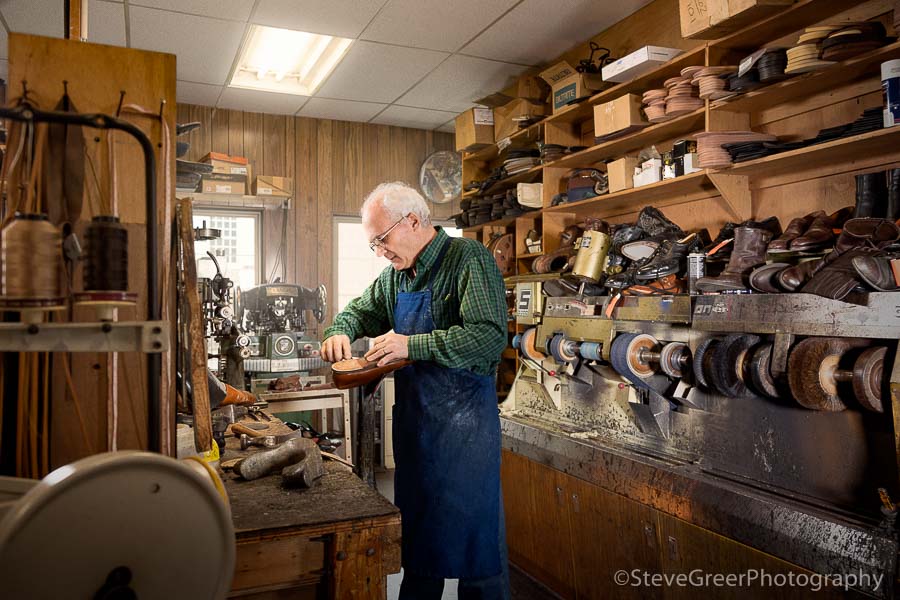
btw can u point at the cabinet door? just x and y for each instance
(686, 547)
(610, 533)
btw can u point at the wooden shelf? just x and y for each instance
(504, 184)
(793, 18)
(585, 110)
(853, 69)
(847, 151)
(498, 223)
(530, 255)
(520, 139)
(660, 194)
(617, 147)
(235, 200)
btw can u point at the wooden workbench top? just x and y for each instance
(264, 505)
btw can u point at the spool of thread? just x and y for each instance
(32, 258)
(106, 260)
(890, 87)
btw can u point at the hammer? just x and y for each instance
(267, 441)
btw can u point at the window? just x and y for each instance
(238, 248)
(356, 266)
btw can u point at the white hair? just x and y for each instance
(398, 200)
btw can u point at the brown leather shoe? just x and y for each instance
(357, 372)
(764, 279)
(795, 229)
(876, 272)
(749, 252)
(820, 232)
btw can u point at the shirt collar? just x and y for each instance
(429, 255)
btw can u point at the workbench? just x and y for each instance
(339, 539)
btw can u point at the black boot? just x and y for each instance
(871, 195)
(893, 202)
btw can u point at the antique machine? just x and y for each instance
(763, 418)
(274, 315)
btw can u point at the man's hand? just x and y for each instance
(336, 348)
(388, 348)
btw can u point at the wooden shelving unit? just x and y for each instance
(504, 184)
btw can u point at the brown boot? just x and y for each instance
(749, 251)
(821, 231)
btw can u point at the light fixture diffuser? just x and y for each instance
(286, 61)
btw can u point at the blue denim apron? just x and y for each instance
(447, 453)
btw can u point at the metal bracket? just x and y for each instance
(151, 337)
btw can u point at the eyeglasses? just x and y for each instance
(378, 241)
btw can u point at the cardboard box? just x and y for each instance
(567, 84)
(270, 185)
(530, 87)
(618, 115)
(506, 117)
(223, 183)
(711, 19)
(223, 163)
(474, 129)
(638, 62)
(621, 173)
(649, 172)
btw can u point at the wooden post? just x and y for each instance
(76, 20)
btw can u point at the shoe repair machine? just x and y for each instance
(275, 317)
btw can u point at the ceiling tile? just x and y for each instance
(106, 23)
(258, 101)
(448, 127)
(434, 24)
(344, 18)
(378, 73)
(458, 82)
(341, 110)
(205, 47)
(537, 31)
(38, 17)
(203, 94)
(233, 10)
(417, 118)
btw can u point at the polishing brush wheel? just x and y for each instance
(812, 365)
(868, 371)
(728, 363)
(563, 350)
(673, 357)
(529, 349)
(760, 373)
(701, 364)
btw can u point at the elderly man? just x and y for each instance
(444, 298)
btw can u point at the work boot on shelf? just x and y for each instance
(871, 195)
(669, 258)
(876, 272)
(749, 251)
(820, 233)
(893, 202)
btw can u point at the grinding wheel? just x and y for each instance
(618, 356)
(811, 368)
(728, 363)
(503, 251)
(867, 375)
(759, 371)
(637, 345)
(528, 348)
(673, 357)
(563, 350)
(701, 363)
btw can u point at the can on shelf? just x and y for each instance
(696, 269)
(890, 92)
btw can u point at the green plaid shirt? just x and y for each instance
(468, 306)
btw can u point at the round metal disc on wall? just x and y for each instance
(728, 363)
(868, 372)
(156, 517)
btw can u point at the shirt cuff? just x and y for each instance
(417, 347)
(333, 331)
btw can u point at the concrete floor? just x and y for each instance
(521, 586)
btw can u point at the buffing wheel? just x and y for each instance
(867, 376)
(633, 351)
(618, 356)
(529, 350)
(701, 364)
(673, 357)
(760, 375)
(728, 363)
(811, 367)
(563, 350)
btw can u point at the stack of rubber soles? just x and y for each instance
(806, 56)
(771, 65)
(853, 39)
(710, 146)
(713, 82)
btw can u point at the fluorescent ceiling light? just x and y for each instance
(285, 61)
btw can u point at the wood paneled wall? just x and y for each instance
(334, 165)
